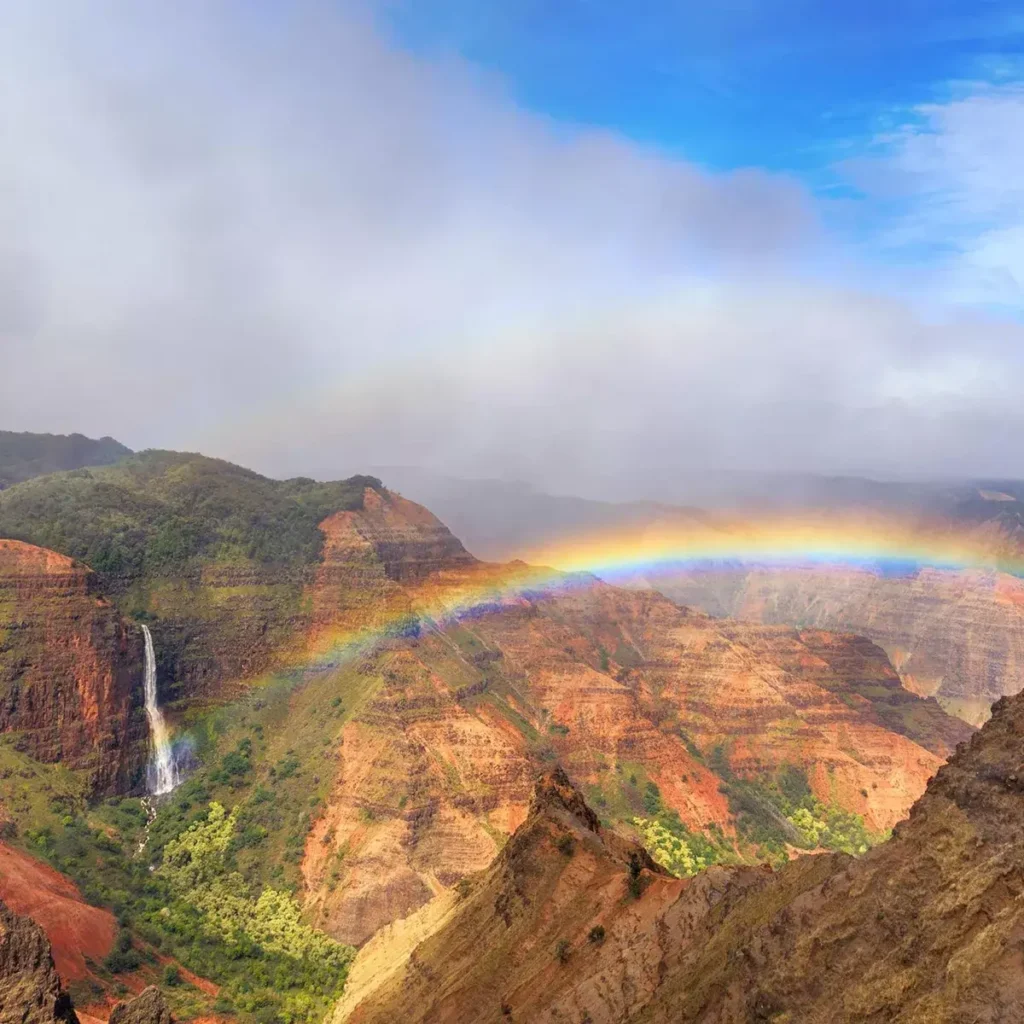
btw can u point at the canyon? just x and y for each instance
(446, 722)
(378, 728)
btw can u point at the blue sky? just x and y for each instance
(780, 85)
(855, 100)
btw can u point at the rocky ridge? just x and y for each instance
(451, 720)
(148, 1007)
(927, 927)
(30, 990)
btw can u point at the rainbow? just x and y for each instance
(641, 556)
(880, 544)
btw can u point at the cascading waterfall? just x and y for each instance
(162, 773)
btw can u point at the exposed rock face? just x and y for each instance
(768, 698)
(435, 765)
(30, 990)
(148, 1007)
(958, 636)
(218, 627)
(495, 954)
(70, 669)
(927, 927)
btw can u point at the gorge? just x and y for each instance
(398, 701)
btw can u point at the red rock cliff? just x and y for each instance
(70, 669)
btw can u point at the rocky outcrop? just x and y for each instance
(218, 626)
(520, 924)
(957, 636)
(70, 669)
(927, 927)
(30, 990)
(148, 1007)
(766, 700)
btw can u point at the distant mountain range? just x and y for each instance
(501, 519)
(24, 455)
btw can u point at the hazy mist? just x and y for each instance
(278, 238)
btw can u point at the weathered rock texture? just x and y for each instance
(927, 928)
(70, 669)
(30, 990)
(148, 1007)
(958, 636)
(219, 626)
(453, 719)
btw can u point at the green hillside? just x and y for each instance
(163, 512)
(215, 557)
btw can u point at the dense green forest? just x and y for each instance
(24, 455)
(161, 512)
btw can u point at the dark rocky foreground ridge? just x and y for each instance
(928, 927)
(31, 991)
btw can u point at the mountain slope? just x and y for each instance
(927, 927)
(396, 699)
(74, 929)
(444, 731)
(30, 991)
(24, 455)
(213, 556)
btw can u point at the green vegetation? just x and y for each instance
(635, 882)
(124, 956)
(23, 456)
(772, 813)
(216, 882)
(671, 844)
(248, 938)
(165, 513)
(211, 902)
(596, 934)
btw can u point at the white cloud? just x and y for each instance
(952, 179)
(278, 237)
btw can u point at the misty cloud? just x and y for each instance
(279, 238)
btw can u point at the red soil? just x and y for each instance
(75, 929)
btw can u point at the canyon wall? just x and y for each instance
(568, 923)
(957, 636)
(70, 669)
(449, 721)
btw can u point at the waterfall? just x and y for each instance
(162, 774)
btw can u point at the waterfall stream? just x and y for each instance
(162, 774)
